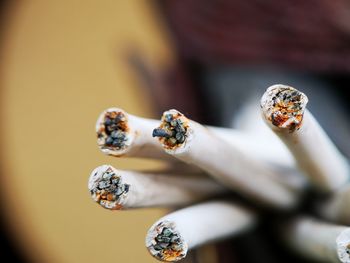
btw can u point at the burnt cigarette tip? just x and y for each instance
(173, 130)
(283, 106)
(113, 131)
(107, 188)
(165, 243)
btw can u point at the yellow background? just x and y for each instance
(62, 63)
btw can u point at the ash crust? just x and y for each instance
(173, 130)
(108, 190)
(166, 243)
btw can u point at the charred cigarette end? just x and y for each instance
(343, 246)
(112, 131)
(173, 129)
(165, 243)
(106, 187)
(284, 107)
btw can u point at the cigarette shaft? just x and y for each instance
(316, 155)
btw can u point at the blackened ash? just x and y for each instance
(172, 131)
(114, 130)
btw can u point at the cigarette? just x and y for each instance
(336, 207)
(195, 144)
(318, 240)
(284, 110)
(123, 134)
(116, 189)
(173, 235)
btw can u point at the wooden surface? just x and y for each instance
(62, 63)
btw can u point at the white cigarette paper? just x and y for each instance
(318, 240)
(173, 235)
(284, 109)
(117, 189)
(194, 144)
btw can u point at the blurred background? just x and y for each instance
(63, 62)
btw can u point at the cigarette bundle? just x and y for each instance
(207, 162)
